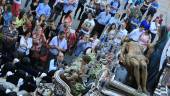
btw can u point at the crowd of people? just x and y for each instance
(34, 41)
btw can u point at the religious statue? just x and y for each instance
(133, 58)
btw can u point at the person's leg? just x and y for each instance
(136, 70)
(82, 9)
(152, 37)
(78, 7)
(26, 3)
(144, 75)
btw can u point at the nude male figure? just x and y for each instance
(133, 58)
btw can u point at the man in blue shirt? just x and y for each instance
(101, 21)
(43, 8)
(114, 6)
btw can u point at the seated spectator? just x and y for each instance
(87, 25)
(58, 43)
(20, 21)
(57, 62)
(41, 21)
(82, 45)
(95, 41)
(121, 35)
(25, 44)
(43, 8)
(38, 41)
(136, 33)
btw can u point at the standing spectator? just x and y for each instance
(68, 18)
(145, 6)
(57, 62)
(10, 36)
(135, 34)
(87, 25)
(43, 8)
(89, 7)
(102, 20)
(58, 43)
(33, 6)
(57, 8)
(80, 7)
(114, 6)
(16, 6)
(7, 15)
(154, 28)
(69, 5)
(153, 8)
(50, 30)
(25, 44)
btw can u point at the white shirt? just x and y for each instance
(120, 36)
(57, 42)
(135, 34)
(95, 43)
(89, 23)
(25, 45)
(154, 28)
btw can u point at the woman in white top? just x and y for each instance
(25, 43)
(154, 28)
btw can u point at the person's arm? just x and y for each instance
(51, 45)
(22, 43)
(30, 42)
(123, 49)
(38, 9)
(64, 47)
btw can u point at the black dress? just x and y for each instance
(33, 8)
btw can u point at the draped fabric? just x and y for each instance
(153, 67)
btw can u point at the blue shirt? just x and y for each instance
(7, 18)
(69, 7)
(43, 9)
(145, 24)
(57, 42)
(103, 18)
